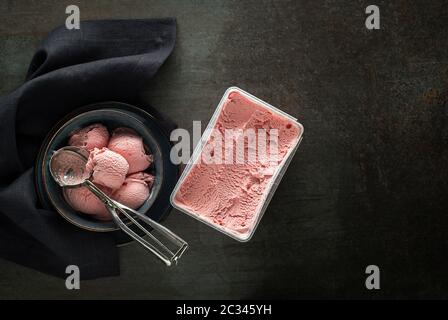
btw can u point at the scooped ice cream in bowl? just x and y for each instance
(70, 168)
(106, 169)
(110, 171)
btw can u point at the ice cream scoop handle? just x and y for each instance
(155, 225)
(97, 191)
(158, 248)
(162, 252)
(136, 237)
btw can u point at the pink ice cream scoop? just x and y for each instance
(135, 190)
(108, 168)
(90, 137)
(130, 145)
(83, 200)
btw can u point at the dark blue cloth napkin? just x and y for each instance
(103, 61)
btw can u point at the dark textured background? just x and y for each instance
(368, 184)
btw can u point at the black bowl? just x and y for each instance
(112, 115)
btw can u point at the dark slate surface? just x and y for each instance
(368, 184)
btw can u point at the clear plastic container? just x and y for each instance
(274, 180)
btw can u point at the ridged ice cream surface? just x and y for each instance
(93, 136)
(108, 168)
(229, 194)
(83, 200)
(135, 190)
(130, 145)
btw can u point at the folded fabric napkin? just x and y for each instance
(102, 61)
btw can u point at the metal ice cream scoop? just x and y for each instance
(67, 166)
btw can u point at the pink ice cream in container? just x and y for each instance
(239, 162)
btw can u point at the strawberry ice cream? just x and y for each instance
(90, 137)
(229, 194)
(118, 172)
(130, 145)
(83, 200)
(135, 190)
(133, 193)
(108, 168)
